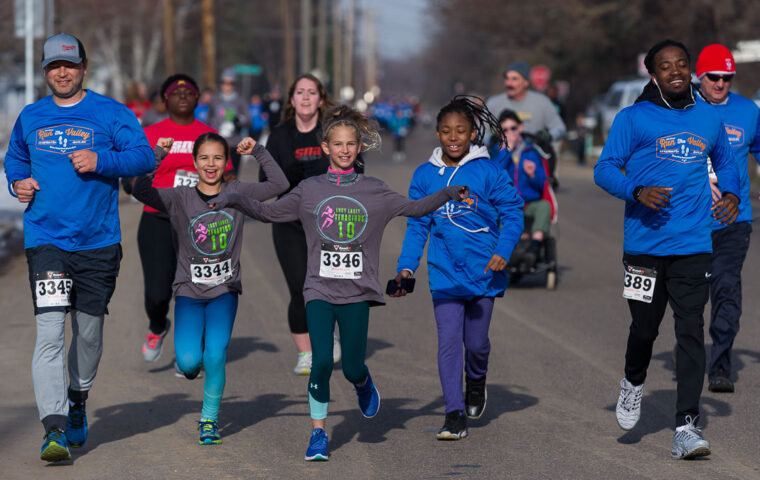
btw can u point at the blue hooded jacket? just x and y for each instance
(464, 235)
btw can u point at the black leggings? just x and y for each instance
(156, 243)
(290, 245)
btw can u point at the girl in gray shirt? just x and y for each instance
(207, 282)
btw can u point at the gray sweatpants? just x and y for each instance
(48, 366)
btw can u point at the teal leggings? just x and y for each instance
(353, 323)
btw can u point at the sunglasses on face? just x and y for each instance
(509, 129)
(715, 77)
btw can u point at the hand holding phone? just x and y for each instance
(398, 287)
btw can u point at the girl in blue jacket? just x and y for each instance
(470, 244)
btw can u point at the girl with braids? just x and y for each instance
(343, 214)
(470, 243)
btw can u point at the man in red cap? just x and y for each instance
(741, 117)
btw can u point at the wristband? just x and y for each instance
(637, 191)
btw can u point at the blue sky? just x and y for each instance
(400, 25)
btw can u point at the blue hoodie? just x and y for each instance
(464, 235)
(659, 146)
(75, 211)
(742, 120)
(530, 189)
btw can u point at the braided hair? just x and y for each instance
(344, 116)
(475, 110)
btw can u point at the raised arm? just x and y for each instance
(275, 180)
(400, 205)
(143, 189)
(283, 210)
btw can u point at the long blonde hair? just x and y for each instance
(344, 116)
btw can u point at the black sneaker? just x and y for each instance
(454, 427)
(720, 383)
(475, 397)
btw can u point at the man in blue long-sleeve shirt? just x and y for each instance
(65, 156)
(663, 142)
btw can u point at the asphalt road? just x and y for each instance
(555, 367)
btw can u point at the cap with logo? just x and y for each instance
(715, 58)
(63, 47)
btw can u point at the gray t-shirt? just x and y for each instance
(344, 227)
(535, 110)
(209, 241)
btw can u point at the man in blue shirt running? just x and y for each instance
(65, 156)
(663, 142)
(715, 70)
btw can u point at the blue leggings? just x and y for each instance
(202, 332)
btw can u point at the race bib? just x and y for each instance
(638, 283)
(341, 261)
(52, 289)
(210, 271)
(184, 178)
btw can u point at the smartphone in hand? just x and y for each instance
(406, 284)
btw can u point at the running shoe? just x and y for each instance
(209, 433)
(720, 382)
(317, 450)
(628, 410)
(190, 376)
(369, 397)
(336, 348)
(154, 344)
(454, 426)
(76, 425)
(303, 367)
(56, 447)
(475, 397)
(688, 441)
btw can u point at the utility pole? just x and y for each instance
(287, 28)
(322, 36)
(371, 53)
(209, 45)
(337, 46)
(349, 44)
(305, 36)
(171, 65)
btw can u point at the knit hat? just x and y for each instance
(717, 59)
(522, 68)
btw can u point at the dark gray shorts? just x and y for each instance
(86, 277)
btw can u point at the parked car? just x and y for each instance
(621, 94)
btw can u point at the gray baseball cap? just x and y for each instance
(63, 47)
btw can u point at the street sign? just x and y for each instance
(243, 69)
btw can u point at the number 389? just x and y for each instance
(638, 282)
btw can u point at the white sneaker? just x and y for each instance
(303, 367)
(336, 348)
(628, 408)
(688, 441)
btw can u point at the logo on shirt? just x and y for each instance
(735, 135)
(307, 154)
(341, 219)
(182, 146)
(457, 209)
(682, 147)
(64, 139)
(211, 232)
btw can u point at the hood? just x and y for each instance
(653, 94)
(476, 151)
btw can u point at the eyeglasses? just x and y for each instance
(715, 77)
(509, 129)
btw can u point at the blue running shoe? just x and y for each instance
(317, 450)
(56, 447)
(76, 425)
(369, 398)
(209, 433)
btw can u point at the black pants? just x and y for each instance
(730, 246)
(156, 243)
(290, 245)
(683, 281)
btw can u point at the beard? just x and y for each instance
(76, 87)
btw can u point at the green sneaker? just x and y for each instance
(56, 447)
(209, 433)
